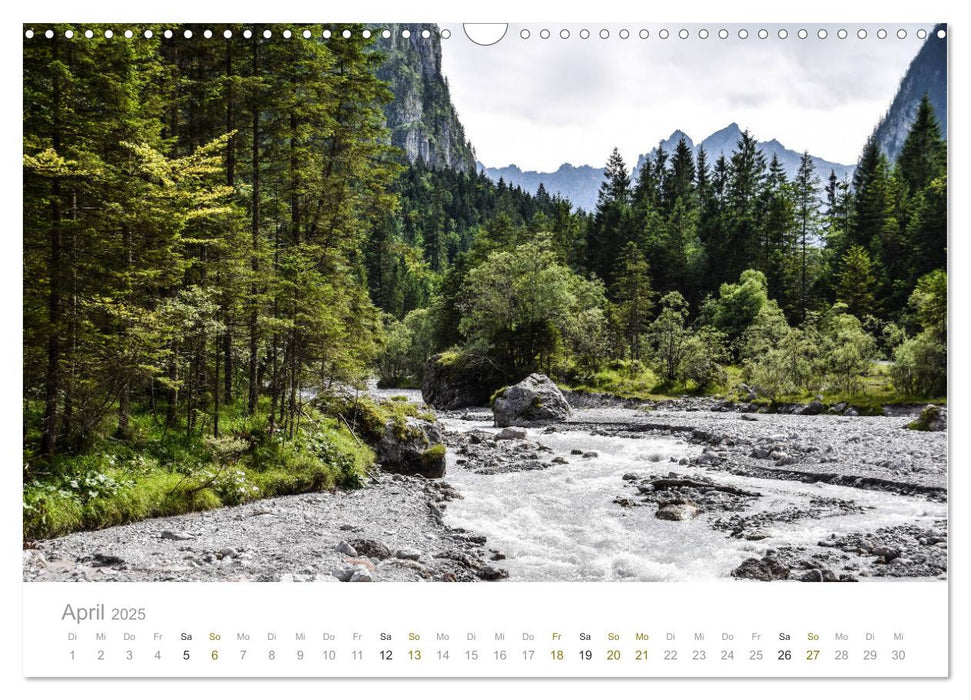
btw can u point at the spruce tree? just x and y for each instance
(924, 154)
(612, 225)
(805, 190)
(857, 282)
(680, 180)
(633, 296)
(746, 179)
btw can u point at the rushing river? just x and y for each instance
(561, 523)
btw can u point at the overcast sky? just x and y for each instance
(538, 103)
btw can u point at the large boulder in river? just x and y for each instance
(412, 447)
(536, 399)
(457, 380)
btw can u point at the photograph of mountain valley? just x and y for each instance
(365, 303)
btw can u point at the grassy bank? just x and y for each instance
(160, 472)
(634, 381)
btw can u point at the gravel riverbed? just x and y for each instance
(390, 530)
(613, 493)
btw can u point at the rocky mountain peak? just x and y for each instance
(421, 116)
(927, 74)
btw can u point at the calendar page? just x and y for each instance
(598, 349)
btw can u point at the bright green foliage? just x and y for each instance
(834, 353)
(588, 340)
(857, 282)
(920, 366)
(668, 335)
(521, 304)
(161, 473)
(764, 333)
(920, 362)
(702, 357)
(682, 355)
(928, 302)
(624, 378)
(408, 345)
(739, 304)
(848, 351)
(790, 365)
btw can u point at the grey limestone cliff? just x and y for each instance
(422, 119)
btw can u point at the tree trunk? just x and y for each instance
(52, 384)
(172, 410)
(124, 394)
(231, 182)
(253, 339)
(215, 390)
(228, 365)
(67, 417)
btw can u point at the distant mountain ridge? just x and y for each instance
(581, 184)
(927, 73)
(723, 141)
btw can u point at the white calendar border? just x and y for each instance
(441, 11)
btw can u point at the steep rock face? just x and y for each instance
(927, 74)
(421, 116)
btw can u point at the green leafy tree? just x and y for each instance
(848, 350)
(738, 305)
(408, 345)
(520, 304)
(668, 335)
(588, 339)
(920, 366)
(920, 362)
(766, 331)
(928, 302)
(792, 364)
(703, 353)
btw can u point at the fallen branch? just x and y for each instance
(690, 483)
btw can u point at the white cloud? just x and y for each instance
(539, 103)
